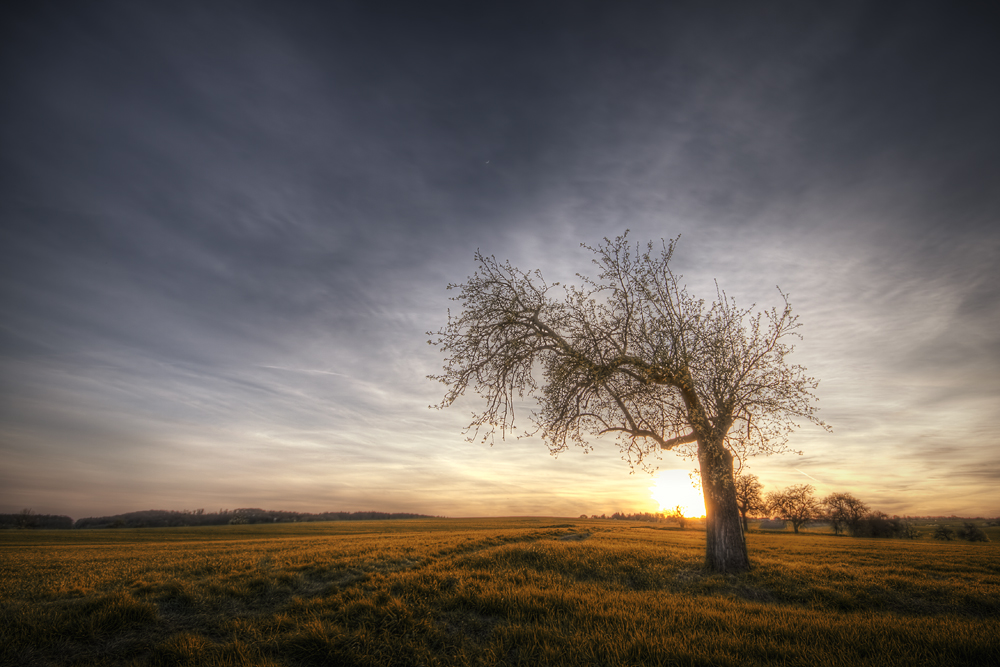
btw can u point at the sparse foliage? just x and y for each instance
(748, 495)
(796, 504)
(630, 354)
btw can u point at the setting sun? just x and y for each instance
(674, 487)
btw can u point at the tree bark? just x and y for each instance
(725, 544)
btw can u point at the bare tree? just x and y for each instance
(795, 504)
(748, 495)
(845, 512)
(631, 354)
(677, 514)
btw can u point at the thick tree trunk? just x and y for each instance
(725, 545)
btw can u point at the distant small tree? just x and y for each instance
(795, 504)
(845, 512)
(677, 514)
(973, 533)
(944, 533)
(748, 495)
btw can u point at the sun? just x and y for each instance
(672, 488)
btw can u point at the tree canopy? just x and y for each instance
(796, 504)
(632, 354)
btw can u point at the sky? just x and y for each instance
(225, 229)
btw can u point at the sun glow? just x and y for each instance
(674, 487)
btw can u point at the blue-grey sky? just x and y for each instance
(226, 228)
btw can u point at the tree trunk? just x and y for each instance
(725, 545)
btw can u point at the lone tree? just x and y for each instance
(748, 496)
(677, 514)
(634, 355)
(795, 504)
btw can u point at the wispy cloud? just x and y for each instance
(224, 257)
(303, 370)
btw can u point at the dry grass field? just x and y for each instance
(489, 592)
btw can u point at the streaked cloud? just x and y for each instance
(226, 229)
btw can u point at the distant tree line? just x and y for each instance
(798, 505)
(969, 531)
(675, 515)
(845, 513)
(649, 517)
(27, 518)
(172, 518)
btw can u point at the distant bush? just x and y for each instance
(972, 533)
(876, 524)
(906, 529)
(944, 533)
(880, 524)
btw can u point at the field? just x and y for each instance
(489, 592)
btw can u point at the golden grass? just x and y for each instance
(488, 592)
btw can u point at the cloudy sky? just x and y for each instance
(226, 227)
